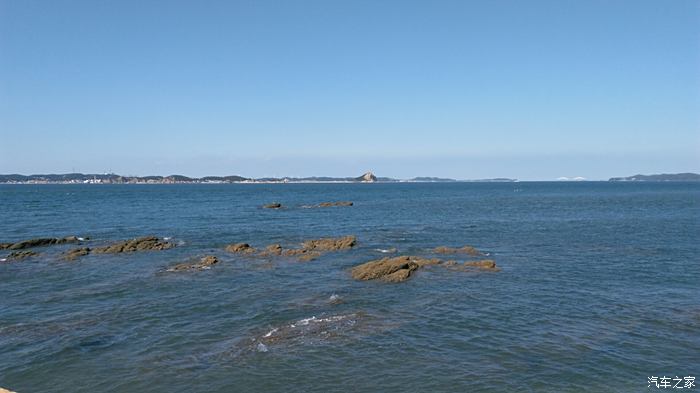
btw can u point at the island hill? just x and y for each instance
(111, 178)
(661, 177)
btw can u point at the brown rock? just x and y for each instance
(309, 256)
(463, 250)
(378, 269)
(148, 243)
(75, 253)
(6, 391)
(330, 244)
(486, 264)
(273, 206)
(272, 249)
(204, 263)
(244, 248)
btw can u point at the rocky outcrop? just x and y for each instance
(309, 250)
(331, 204)
(19, 255)
(482, 265)
(395, 269)
(243, 248)
(367, 178)
(6, 391)
(462, 250)
(40, 242)
(399, 269)
(272, 206)
(148, 243)
(71, 255)
(203, 263)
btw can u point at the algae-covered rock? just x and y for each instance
(19, 255)
(40, 242)
(273, 206)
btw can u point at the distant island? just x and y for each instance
(111, 178)
(661, 177)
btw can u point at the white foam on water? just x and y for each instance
(270, 333)
(334, 298)
(81, 239)
(3, 259)
(261, 347)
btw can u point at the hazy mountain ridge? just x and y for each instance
(660, 177)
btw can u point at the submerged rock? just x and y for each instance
(331, 204)
(48, 241)
(204, 263)
(19, 255)
(75, 253)
(484, 264)
(462, 250)
(309, 331)
(147, 243)
(330, 243)
(244, 248)
(272, 206)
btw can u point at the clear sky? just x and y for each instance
(462, 89)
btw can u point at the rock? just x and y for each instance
(148, 243)
(204, 263)
(18, 255)
(39, 242)
(309, 256)
(6, 391)
(420, 261)
(399, 269)
(244, 248)
(75, 253)
(330, 204)
(330, 244)
(385, 268)
(486, 264)
(273, 206)
(463, 250)
(272, 249)
(367, 178)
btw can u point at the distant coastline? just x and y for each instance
(661, 177)
(112, 178)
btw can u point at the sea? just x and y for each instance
(598, 289)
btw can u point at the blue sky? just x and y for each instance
(464, 89)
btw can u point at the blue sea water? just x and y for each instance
(598, 289)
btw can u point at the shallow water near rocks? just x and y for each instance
(598, 289)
